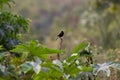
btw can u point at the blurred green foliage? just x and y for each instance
(11, 26)
(103, 17)
(7, 2)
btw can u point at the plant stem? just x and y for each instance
(89, 62)
(60, 47)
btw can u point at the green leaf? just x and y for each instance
(3, 2)
(1, 47)
(73, 57)
(28, 66)
(2, 56)
(25, 67)
(58, 63)
(85, 53)
(81, 46)
(71, 70)
(52, 71)
(86, 69)
(42, 75)
(2, 68)
(36, 67)
(34, 48)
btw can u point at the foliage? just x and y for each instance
(103, 17)
(11, 27)
(27, 66)
(105, 67)
(23, 61)
(35, 49)
(2, 2)
(80, 46)
(26, 63)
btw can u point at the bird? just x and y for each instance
(60, 35)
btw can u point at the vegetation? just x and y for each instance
(34, 61)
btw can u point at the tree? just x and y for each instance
(103, 17)
(11, 26)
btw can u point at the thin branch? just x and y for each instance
(60, 47)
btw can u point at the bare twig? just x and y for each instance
(60, 47)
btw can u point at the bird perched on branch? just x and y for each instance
(60, 35)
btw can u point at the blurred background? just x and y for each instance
(97, 21)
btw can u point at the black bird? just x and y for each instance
(61, 34)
